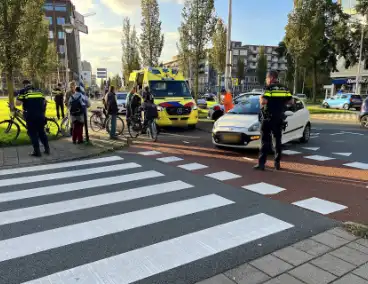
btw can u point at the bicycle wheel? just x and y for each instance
(120, 126)
(134, 127)
(152, 131)
(96, 122)
(9, 131)
(52, 127)
(65, 127)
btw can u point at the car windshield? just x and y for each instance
(250, 106)
(163, 89)
(121, 96)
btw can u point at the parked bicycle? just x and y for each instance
(136, 127)
(11, 127)
(99, 121)
(65, 126)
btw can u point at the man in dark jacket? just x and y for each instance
(147, 95)
(272, 118)
(59, 100)
(112, 110)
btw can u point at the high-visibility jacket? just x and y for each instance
(34, 103)
(228, 102)
(277, 97)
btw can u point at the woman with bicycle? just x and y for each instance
(112, 110)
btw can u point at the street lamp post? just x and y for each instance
(357, 83)
(228, 49)
(68, 29)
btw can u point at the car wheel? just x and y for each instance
(306, 134)
(346, 107)
(325, 105)
(192, 126)
(364, 121)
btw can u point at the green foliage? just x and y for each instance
(197, 28)
(116, 81)
(152, 40)
(130, 48)
(262, 66)
(217, 54)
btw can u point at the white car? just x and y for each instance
(240, 127)
(121, 100)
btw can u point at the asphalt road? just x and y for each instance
(128, 218)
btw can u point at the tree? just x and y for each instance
(130, 46)
(282, 51)
(262, 66)
(17, 18)
(240, 67)
(217, 54)
(197, 28)
(152, 40)
(116, 81)
(184, 54)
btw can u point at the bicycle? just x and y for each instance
(99, 121)
(136, 127)
(65, 126)
(17, 119)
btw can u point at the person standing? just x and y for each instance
(147, 96)
(68, 94)
(77, 105)
(58, 95)
(34, 108)
(272, 118)
(227, 100)
(112, 110)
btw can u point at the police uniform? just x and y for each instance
(59, 98)
(34, 108)
(272, 118)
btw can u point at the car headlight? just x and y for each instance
(160, 108)
(254, 127)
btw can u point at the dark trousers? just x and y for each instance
(59, 107)
(36, 132)
(269, 129)
(77, 134)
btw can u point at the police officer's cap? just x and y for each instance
(26, 82)
(273, 74)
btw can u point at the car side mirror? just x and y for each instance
(289, 113)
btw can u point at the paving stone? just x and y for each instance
(333, 264)
(284, 279)
(362, 271)
(271, 265)
(330, 240)
(247, 274)
(218, 279)
(350, 279)
(342, 234)
(351, 255)
(10, 161)
(312, 247)
(358, 247)
(292, 255)
(363, 242)
(312, 275)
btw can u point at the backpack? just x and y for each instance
(76, 107)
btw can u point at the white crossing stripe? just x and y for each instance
(223, 176)
(42, 241)
(67, 174)
(59, 165)
(69, 187)
(357, 165)
(150, 153)
(320, 205)
(170, 159)
(28, 213)
(144, 262)
(193, 167)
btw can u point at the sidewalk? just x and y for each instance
(352, 117)
(335, 257)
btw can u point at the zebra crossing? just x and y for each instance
(128, 219)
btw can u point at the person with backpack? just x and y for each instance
(133, 102)
(112, 109)
(77, 105)
(147, 96)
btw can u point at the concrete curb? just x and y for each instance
(336, 116)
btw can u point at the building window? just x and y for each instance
(243, 52)
(61, 21)
(60, 8)
(61, 49)
(48, 7)
(51, 34)
(50, 20)
(61, 35)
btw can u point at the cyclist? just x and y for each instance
(150, 113)
(34, 108)
(133, 102)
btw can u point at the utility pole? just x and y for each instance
(357, 79)
(228, 49)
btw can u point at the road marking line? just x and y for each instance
(357, 165)
(313, 137)
(42, 241)
(343, 154)
(290, 152)
(312, 148)
(59, 165)
(249, 159)
(264, 188)
(68, 174)
(319, 158)
(50, 209)
(332, 134)
(69, 187)
(193, 167)
(145, 262)
(320, 206)
(150, 153)
(353, 133)
(186, 142)
(222, 176)
(170, 159)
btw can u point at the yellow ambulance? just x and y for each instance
(171, 93)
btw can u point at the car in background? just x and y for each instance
(363, 115)
(343, 101)
(240, 127)
(205, 100)
(121, 100)
(303, 97)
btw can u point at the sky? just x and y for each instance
(260, 22)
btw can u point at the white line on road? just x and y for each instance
(144, 262)
(76, 173)
(42, 241)
(179, 135)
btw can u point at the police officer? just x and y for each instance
(272, 118)
(34, 108)
(59, 100)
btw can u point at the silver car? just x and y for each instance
(121, 100)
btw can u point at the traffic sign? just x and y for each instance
(102, 73)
